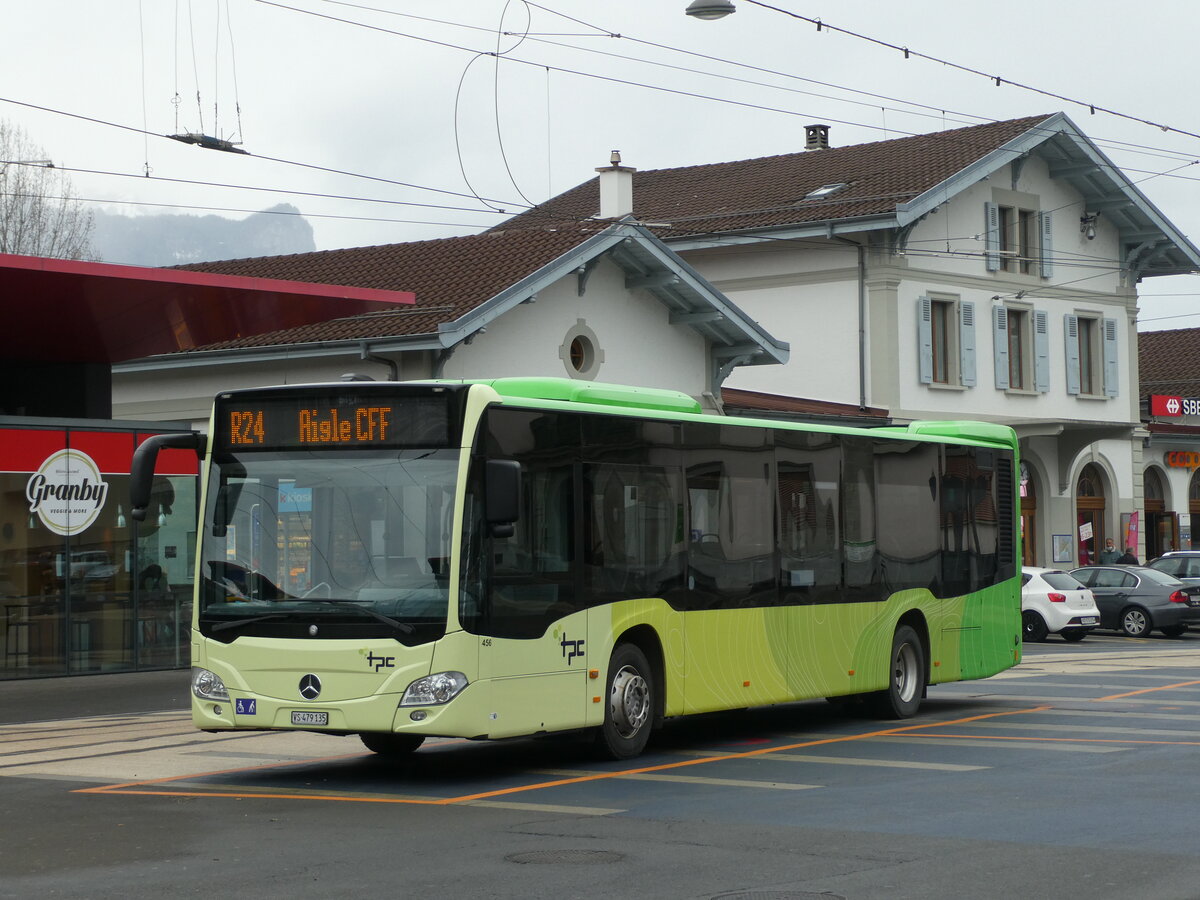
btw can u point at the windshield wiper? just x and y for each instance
(402, 627)
(238, 623)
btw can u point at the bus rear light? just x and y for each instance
(1179, 597)
(1056, 598)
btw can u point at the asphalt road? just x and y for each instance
(1068, 777)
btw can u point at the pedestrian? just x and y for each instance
(1129, 558)
(1109, 554)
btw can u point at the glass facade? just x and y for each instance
(84, 588)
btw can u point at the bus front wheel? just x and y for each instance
(391, 745)
(906, 677)
(629, 710)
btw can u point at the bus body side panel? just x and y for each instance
(537, 684)
(607, 624)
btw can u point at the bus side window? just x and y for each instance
(531, 582)
(731, 539)
(808, 466)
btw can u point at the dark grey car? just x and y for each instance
(1137, 599)
(1183, 564)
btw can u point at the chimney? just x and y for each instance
(816, 137)
(616, 188)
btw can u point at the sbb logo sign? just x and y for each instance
(1174, 406)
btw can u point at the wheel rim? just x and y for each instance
(629, 701)
(1031, 623)
(904, 672)
(1135, 622)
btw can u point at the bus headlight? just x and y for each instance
(208, 685)
(433, 690)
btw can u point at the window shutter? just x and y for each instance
(1046, 229)
(966, 343)
(991, 236)
(1000, 345)
(1111, 387)
(925, 340)
(1041, 350)
(1071, 332)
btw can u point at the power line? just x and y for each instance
(998, 80)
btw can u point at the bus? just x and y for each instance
(524, 556)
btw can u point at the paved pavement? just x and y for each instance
(42, 699)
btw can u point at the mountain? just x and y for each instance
(173, 239)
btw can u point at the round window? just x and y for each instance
(582, 354)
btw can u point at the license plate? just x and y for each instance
(309, 718)
(1087, 620)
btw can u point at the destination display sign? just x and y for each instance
(335, 420)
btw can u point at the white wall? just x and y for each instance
(631, 328)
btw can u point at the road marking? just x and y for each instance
(1007, 744)
(164, 786)
(688, 779)
(974, 738)
(1102, 729)
(1165, 687)
(547, 807)
(863, 761)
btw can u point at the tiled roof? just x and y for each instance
(1169, 362)
(450, 277)
(769, 192)
(755, 402)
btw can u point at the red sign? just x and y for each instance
(1165, 406)
(1174, 406)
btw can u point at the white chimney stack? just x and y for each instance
(616, 188)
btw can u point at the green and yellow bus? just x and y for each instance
(525, 556)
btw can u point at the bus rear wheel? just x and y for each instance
(630, 704)
(906, 677)
(391, 745)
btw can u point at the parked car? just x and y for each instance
(1183, 564)
(1054, 602)
(1138, 599)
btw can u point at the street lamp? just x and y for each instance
(710, 9)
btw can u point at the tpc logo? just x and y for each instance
(571, 649)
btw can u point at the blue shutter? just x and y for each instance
(1046, 229)
(991, 236)
(1071, 335)
(1111, 387)
(1000, 345)
(925, 340)
(1041, 350)
(966, 343)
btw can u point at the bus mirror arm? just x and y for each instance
(502, 496)
(141, 472)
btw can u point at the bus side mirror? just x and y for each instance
(141, 471)
(502, 496)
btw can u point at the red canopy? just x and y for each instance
(58, 310)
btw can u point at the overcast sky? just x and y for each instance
(381, 101)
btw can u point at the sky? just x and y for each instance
(398, 120)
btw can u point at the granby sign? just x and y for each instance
(67, 492)
(1174, 406)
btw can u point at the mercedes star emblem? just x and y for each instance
(310, 687)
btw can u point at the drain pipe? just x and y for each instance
(862, 319)
(364, 353)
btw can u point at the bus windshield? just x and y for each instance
(328, 544)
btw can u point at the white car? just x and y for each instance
(1055, 602)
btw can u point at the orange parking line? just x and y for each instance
(1165, 687)
(995, 737)
(116, 788)
(127, 788)
(600, 776)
